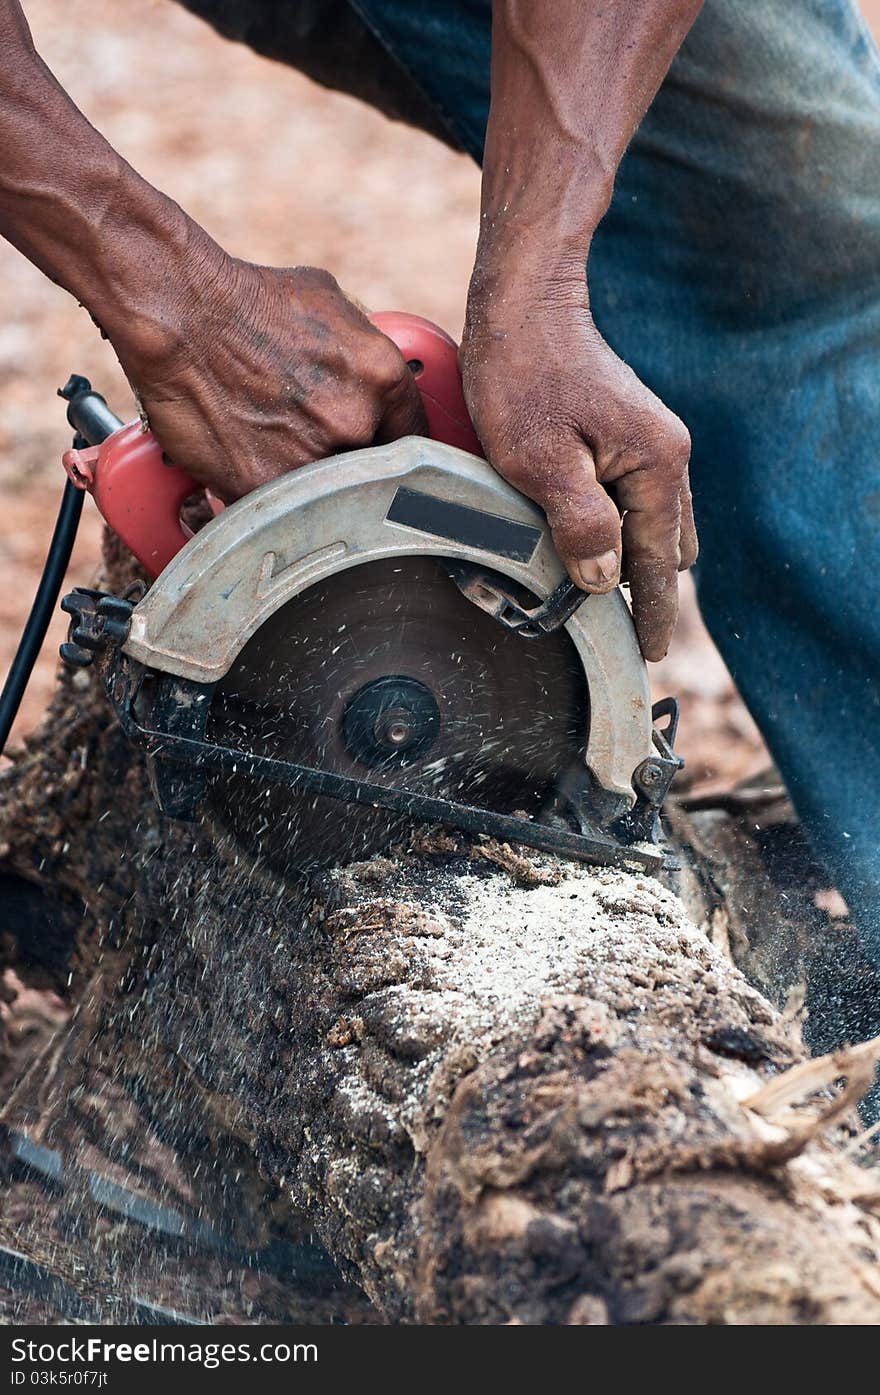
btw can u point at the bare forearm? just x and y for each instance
(73, 206)
(571, 82)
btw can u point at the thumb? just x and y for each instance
(403, 412)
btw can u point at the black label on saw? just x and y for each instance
(460, 524)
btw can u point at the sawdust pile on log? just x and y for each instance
(574, 1076)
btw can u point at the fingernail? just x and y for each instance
(599, 571)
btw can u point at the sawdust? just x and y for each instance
(479, 964)
(534, 1043)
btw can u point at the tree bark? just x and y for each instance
(501, 1088)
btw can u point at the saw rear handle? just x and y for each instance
(140, 492)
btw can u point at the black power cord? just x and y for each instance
(45, 600)
(92, 420)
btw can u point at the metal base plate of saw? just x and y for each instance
(384, 638)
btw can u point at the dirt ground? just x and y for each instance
(279, 171)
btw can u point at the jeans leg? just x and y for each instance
(445, 48)
(739, 273)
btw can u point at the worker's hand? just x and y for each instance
(570, 425)
(252, 371)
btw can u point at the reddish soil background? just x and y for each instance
(280, 171)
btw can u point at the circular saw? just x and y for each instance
(383, 638)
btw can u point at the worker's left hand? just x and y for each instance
(570, 425)
(256, 370)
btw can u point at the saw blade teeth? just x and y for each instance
(444, 701)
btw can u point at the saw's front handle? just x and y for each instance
(433, 358)
(139, 492)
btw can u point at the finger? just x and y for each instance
(403, 413)
(584, 520)
(689, 545)
(652, 529)
(653, 590)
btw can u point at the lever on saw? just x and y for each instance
(140, 492)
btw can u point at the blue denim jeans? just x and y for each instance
(738, 272)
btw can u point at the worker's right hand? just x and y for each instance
(569, 424)
(251, 371)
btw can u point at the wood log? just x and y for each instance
(501, 1088)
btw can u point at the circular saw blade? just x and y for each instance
(394, 650)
